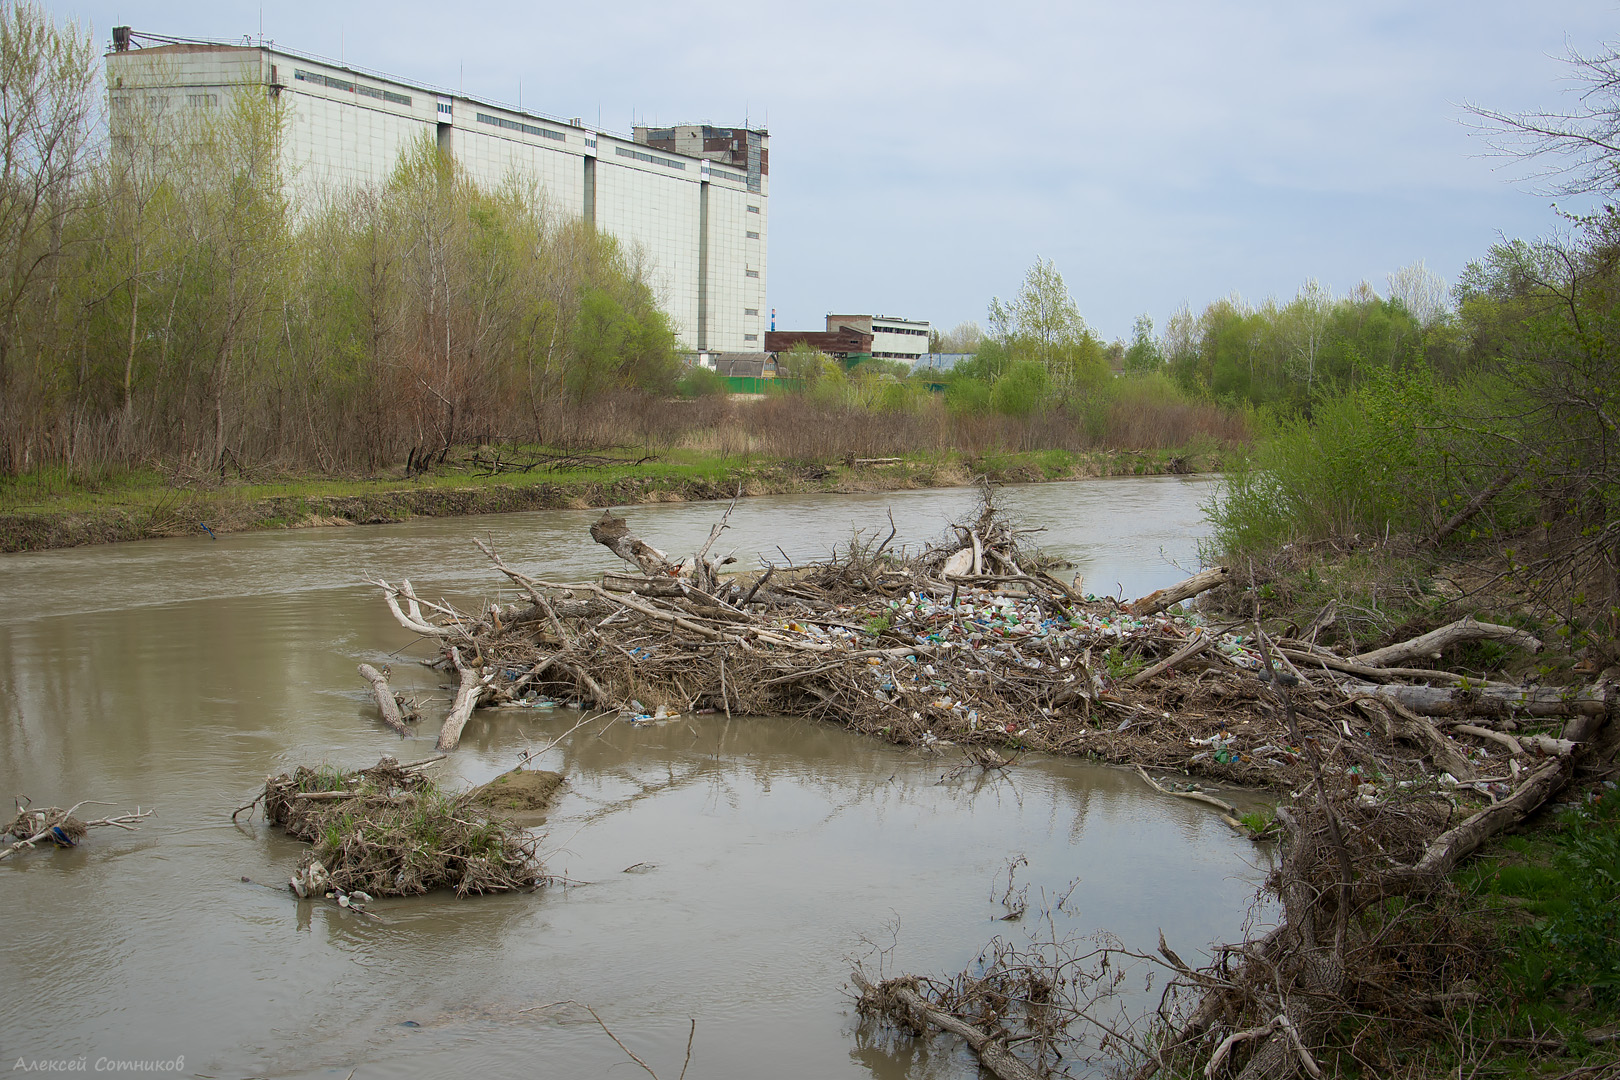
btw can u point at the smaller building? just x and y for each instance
(741, 365)
(843, 343)
(892, 338)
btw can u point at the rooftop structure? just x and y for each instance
(892, 338)
(698, 212)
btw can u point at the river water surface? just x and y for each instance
(726, 871)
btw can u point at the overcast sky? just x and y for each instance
(924, 155)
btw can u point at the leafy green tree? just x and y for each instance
(1042, 324)
(1143, 354)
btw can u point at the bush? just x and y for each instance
(698, 382)
(1021, 390)
(1367, 462)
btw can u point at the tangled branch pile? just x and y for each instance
(390, 831)
(968, 642)
(1395, 772)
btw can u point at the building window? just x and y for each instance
(753, 235)
(651, 159)
(527, 129)
(735, 178)
(355, 88)
(202, 101)
(751, 311)
(753, 209)
(750, 337)
(751, 273)
(591, 143)
(445, 108)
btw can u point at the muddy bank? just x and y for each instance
(191, 512)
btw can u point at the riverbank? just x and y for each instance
(40, 512)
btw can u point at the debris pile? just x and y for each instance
(391, 831)
(58, 827)
(970, 642)
(1393, 773)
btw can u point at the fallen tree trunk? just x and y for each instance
(387, 704)
(1475, 505)
(1155, 602)
(466, 698)
(613, 533)
(993, 1054)
(1490, 700)
(1436, 641)
(1198, 644)
(1323, 658)
(1455, 844)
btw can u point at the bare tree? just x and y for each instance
(1575, 150)
(1421, 291)
(47, 94)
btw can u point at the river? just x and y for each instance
(767, 852)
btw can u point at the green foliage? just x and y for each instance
(1585, 932)
(198, 315)
(697, 381)
(1569, 885)
(1288, 356)
(1348, 470)
(616, 347)
(967, 396)
(1143, 354)
(804, 364)
(1120, 665)
(1021, 390)
(1042, 325)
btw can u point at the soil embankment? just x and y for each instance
(193, 510)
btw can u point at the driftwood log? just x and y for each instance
(1164, 599)
(992, 1052)
(387, 703)
(613, 532)
(1437, 641)
(1489, 699)
(466, 697)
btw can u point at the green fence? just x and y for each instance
(739, 384)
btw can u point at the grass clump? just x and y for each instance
(1563, 889)
(391, 831)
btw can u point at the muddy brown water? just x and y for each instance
(726, 871)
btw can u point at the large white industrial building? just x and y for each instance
(692, 198)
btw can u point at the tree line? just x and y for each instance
(165, 297)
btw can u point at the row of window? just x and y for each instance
(527, 129)
(896, 355)
(354, 88)
(203, 101)
(876, 329)
(726, 174)
(651, 159)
